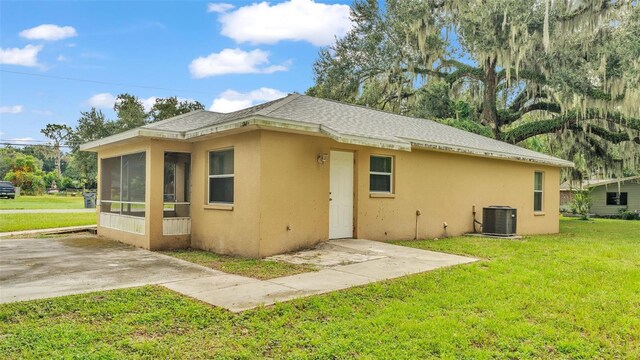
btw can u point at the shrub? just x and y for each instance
(625, 214)
(50, 177)
(581, 203)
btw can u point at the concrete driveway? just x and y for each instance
(43, 268)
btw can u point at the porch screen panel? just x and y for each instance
(110, 184)
(123, 182)
(177, 167)
(133, 184)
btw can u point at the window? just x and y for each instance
(537, 191)
(123, 185)
(381, 174)
(221, 176)
(618, 199)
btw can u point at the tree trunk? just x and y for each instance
(58, 159)
(489, 109)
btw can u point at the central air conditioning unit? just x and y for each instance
(499, 220)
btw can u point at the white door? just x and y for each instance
(341, 195)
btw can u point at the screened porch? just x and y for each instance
(124, 204)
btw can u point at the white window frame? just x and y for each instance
(541, 191)
(209, 177)
(390, 174)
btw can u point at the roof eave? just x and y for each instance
(93, 146)
(284, 124)
(277, 123)
(612, 181)
(490, 154)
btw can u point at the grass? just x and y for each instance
(42, 202)
(26, 221)
(256, 268)
(575, 295)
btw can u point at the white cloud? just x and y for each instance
(61, 58)
(297, 20)
(27, 56)
(49, 32)
(23, 141)
(219, 8)
(15, 109)
(148, 102)
(102, 101)
(231, 100)
(234, 61)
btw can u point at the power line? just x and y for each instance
(100, 82)
(27, 143)
(45, 142)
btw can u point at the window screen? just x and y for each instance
(537, 191)
(221, 176)
(123, 183)
(380, 173)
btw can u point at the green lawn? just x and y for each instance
(42, 202)
(25, 221)
(573, 296)
(259, 269)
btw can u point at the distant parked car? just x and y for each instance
(7, 190)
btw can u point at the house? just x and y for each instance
(609, 195)
(299, 170)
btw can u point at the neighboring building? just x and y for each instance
(299, 170)
(609, 195)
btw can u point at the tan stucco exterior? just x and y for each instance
(281, 199)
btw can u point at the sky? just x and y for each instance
(60, 58)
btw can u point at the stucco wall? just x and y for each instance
(599, 195)
(443, 186)
(281, 200)
(222, 229)
(295, 192)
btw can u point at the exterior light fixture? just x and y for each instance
(322, 158)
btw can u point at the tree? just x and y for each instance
(130, 112)
(8, 156)
(47, 154)
(529, 67)
(26, 172)
(58, 133)
(92, 125)
(165, 108)
(582, 202)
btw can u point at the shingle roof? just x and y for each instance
(345, 122)
(185, 122)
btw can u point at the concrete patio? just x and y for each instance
(42, 268)
(344, 264)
